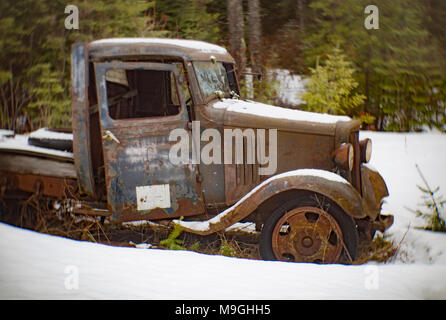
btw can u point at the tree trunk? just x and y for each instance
(255, 34)
(236, 34)
(300, 15)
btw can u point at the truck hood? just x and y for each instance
(250, 114)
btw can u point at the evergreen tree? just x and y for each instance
(36, 47)
(331, 86)
(399, 67)
(189, 19)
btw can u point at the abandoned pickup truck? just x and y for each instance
(159, 133)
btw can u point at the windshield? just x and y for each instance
(212, 77)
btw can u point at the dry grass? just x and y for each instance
(42, 217)
(381, 249)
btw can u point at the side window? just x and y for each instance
(231, 77)
(141, 93)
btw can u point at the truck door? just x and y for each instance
(81, 119)
(140, 104)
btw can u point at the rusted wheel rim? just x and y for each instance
(307, 234)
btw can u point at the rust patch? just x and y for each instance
(307, 234)
(345, 195)
(185, 208)
(374, 189)
(59, 188)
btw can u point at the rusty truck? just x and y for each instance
(315, 204)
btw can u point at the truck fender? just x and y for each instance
(322, 182)
(374, 189)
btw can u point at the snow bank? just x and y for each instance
(291, 87)
(38, 266)
(265, 110)
(394, 156)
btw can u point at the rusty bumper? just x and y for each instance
(374, 190)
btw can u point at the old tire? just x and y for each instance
(309, 228)
(57, 144)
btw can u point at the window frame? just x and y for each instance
(203, 96)
(101, 69)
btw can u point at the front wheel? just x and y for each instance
(309, 229)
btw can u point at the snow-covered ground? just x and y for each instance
(38, 266)
(291, 87)
(395, 156)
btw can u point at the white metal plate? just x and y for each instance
(150, 197)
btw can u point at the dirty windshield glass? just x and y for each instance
(212, 77)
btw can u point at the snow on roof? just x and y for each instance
(206, 225)
(190, 44)
(265, 110)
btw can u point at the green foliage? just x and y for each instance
(36, 47)
(227, 249)
(331, 86)
(172, 243)
(189, 19)
(409, 69)
(50, 103)
(435, 207)
(365, 118)
(194, 246)
(5, 76)
(264, 91)
(111, 18)
(401, 65)
(382, 249)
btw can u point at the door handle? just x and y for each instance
(109, 135)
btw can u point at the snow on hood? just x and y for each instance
(265, 110)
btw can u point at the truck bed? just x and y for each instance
(17, 156)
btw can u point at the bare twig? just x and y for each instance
(401, 241)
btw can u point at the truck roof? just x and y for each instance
(186, 49)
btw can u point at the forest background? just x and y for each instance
(390, 78)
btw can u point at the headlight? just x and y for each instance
(344, 156)
(365, 147)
